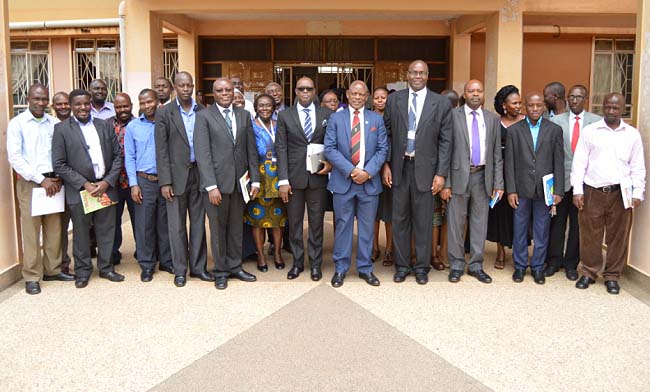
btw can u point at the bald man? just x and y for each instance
(99, 107)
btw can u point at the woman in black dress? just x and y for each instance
(507, 103)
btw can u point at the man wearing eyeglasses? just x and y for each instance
(419, 125)
(298, 127)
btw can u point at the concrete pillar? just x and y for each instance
(639, 244)
(9, 261)
(503, 50)
(187, 55)
(461, 45)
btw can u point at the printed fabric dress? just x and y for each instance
(267, 210)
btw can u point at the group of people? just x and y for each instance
(435, 172)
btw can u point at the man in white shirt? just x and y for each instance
(608, 161)
(29, 151)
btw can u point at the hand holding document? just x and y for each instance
(315, 154)
(91, 203)
(547, 180)
(45, 205)
(626, 193)
(244, 184)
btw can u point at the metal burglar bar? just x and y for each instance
(98, 58)
(30, 63)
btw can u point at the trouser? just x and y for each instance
(226, 225)
(314, 199)
(105, 230)
(557, 255)
(540, 213)
(151, 229)
(124, 197)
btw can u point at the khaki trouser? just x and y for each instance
(35, 263)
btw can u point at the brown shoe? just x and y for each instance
(388, 259)
(437, 264)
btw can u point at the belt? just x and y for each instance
(150, 177)
(50, 175)
(191, 165)
(608, 188)
(474, 169)
(409, 158)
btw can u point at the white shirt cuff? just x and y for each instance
(255, 184)
(578, 189)
(209, 188)
(38, 178)
(637, 193)
(283, 182)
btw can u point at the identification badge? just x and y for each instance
(411, 135)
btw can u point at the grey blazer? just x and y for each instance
(525, 166)
(71, 160)
(433, 137)
(172, 147)
(458, 178)
(221, 160)
(563, 121)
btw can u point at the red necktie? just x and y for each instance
(576, 134)
(356, 139)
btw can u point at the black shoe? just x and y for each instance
(550, 270)
(204, 276)
(80, 283)
(166, 268)
(32, 288)
(316, 274)
(421, 278)
(146, 275)
(518, 275)
(221, 283)
(400, 276)
(337, 279)
(279, 266)
(180, 280)
(263, 268)
(612, 287)
(294, 272)
(538, 276)
(481, 276)
(370, 278)
(454, 276)
(584, 282)
(112, 276)
(244, 276)
(61, 276)
(571, 274)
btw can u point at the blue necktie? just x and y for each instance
(308, 129)
(476, 142)
(410, 143)
(226, 114)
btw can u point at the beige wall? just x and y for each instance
(25, 10)
(61, 65)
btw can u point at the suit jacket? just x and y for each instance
(337, 150)
(526, 166)
(223, 161)
(291, 148)
(71, 160)
(433, 137)
(563, 121)
(172, 147)
(461, 155)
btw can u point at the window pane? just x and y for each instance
(39, 45)
(604, 44)
(19, 45)
(627, 44)
(109, 70)
(84, 43)
(602, 73)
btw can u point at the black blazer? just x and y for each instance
(433, 137)
(291, 148)
(221, 160)
(71, 160)
(172, 147)
(525, 167)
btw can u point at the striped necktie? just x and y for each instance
(410, 143)
(356, 139)
(308, 128)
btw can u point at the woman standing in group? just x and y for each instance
(507, 103)
(267, 210)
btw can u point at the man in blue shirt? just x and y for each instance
(150, 211)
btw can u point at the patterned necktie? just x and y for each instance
(476, 142)
(308, 129)
(355, 143)
(226, 115)
(410, 143)
(576, 134)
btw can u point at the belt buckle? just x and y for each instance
(607, 189)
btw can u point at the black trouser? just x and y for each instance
(151, 228)
(557, 255)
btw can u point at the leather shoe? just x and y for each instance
(32, 288)
(538, 276)
(370, 278)
(421, 278)
(612, 287)
(61, 276)
(80, 283)
(550, 270)
(400, 276)
(221, 283)
(571, 274)
(316, 274)
(146, 275)
(166, 268)
(437, 264)
(180, 280)
(337, 279)
(112, 276)
(244, 276)
(481, 276)
(204, 276)
(279, 266)
(263, 268)
(454, 276)
(518, 275)
(294, 272)
(584, 282)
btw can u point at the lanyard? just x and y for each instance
(271, 132)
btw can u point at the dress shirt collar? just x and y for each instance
(105, 106)
(468, 111)
(621, 127)
(536, 126)
(90, 121)
(421, 93)
(572, 115)
(221, 109)
(144, 118)
(311, 107)
(180, 107)
(29, 116)
(118, 122)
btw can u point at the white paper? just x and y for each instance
(243, 184)
(626, 192)
(43, 205)
(313, 149)
(548, 182)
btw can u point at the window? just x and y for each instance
(29, 64)
(170, 58)
(98, 58)
(612, 72)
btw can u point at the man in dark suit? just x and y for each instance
(475, 177)
(298, 127)
(178, 177)
(355, 145)
(225, 149)
(419, 126)
(534, 148)
(87, 156)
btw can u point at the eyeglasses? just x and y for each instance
(576, 98)
(418, 73)
(304, 89)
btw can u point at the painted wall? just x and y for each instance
(61, 50)
(25, 11)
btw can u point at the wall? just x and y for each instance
(477, 57)
(25, 11)
(61, 65)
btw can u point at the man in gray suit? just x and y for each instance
(572, 123)
(419, 125)
(298, 127)
(178, 177)
(87, 156)
(475, 177)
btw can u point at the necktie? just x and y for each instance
(226, 114)
(308, 129)
(576, 134)
(355, 143)
(476, 142)
(410, 143)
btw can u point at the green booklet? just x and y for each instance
(92, 203)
